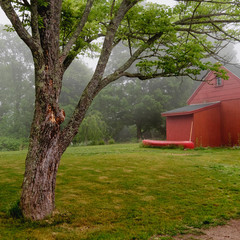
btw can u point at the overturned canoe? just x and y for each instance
(156, 143)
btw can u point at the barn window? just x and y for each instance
(219, 82)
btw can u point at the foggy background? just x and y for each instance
(126, 110)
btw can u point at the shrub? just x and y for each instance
(101, 142)
(111, 141)
(12, 144)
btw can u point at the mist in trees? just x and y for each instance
(132, 109)
(126, 110)
(16, 86)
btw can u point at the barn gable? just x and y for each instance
(215, 89)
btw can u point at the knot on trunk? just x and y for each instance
(55, 118)
(60, 117)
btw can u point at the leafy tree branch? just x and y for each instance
(18, 26)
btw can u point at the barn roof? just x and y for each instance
(190, 109)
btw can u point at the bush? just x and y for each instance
(111, 141)
(101, 142)
(12, 144)
(93, 129)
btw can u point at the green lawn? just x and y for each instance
(124, 191)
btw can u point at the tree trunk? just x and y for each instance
(38, 190)
(38, 197)
(48, 142)
(139, 132)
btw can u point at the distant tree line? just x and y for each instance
(126, 110)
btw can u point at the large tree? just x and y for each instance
(165, 41)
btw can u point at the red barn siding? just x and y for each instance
(230, 115)
(179, 127)
(207, 128)
(209, 92)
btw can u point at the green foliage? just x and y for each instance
(12, 144)
(185, 31)
(92, 129)
(129, 106)
(43, 3)
(182, 57)
(111, 141)
(142, 20)
(101, 142)
(72, 12)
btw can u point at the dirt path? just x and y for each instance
(230, 231)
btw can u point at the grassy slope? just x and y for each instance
(127, 192)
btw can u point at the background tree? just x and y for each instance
(16, 86)
(140, 103)
(73, 86)
(174, 40)
(93, 129)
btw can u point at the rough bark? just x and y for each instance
(38, 189)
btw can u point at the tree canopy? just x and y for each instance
(167, 41)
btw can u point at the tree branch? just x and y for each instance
(211, 1)
(26, 3)
(118, 73)
(225, 33)
(75, 51)
(190, 26)
(34, 20)
(156, 75)
(125, 6)
(111, 12)
(18, 26)
(191, 20)
(192, 30)
(77, 32)
(129, 40)
(94, 85)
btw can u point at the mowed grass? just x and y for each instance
(124, 191)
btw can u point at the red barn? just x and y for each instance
(212, 116)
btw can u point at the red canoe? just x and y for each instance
(155, 143)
